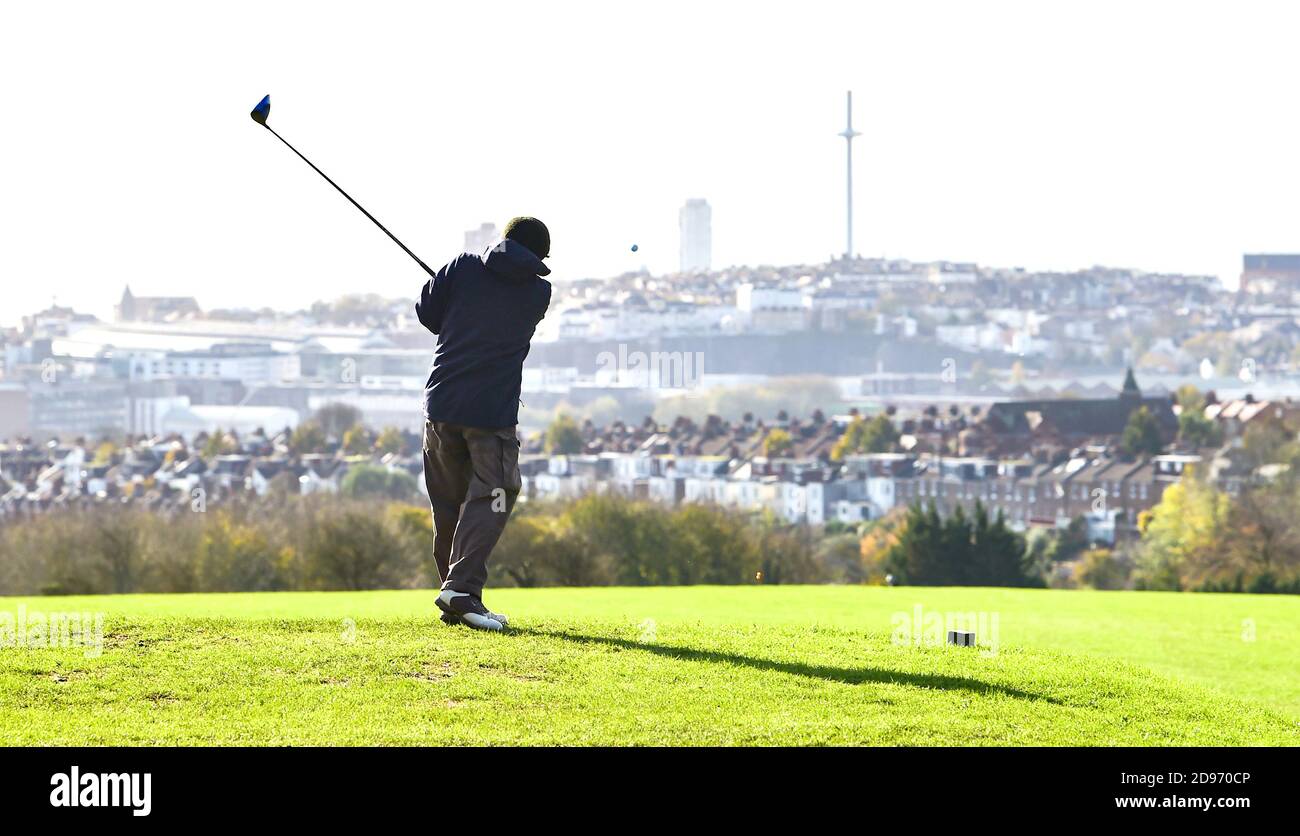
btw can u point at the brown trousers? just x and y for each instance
(473, 480)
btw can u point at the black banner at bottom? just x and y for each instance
(303, 785)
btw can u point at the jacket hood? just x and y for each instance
(513, 260)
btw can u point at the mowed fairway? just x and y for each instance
(692, 665)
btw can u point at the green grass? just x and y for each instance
(695, 665)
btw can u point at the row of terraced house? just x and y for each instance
(1107, 490)
(1037, 463)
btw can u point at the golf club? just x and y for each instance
(263, 111)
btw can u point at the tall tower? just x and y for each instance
(848, 133)
(695, 225)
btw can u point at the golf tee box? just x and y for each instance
(961, 638)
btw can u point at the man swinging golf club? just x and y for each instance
(483, 307)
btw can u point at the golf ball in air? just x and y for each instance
(634, 248)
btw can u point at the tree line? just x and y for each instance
(376, 535)
(286, 541)
(959, 550)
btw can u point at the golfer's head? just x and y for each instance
(532, 233)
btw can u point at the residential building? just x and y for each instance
(134, 308)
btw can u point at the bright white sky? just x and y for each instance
(1161, 136)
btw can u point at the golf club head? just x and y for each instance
(262, 111)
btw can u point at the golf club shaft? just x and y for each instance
(372, 218)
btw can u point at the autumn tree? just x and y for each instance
(390, 440)
(308, 437)
(1180, 532)
(877, 435)
(563, 436)
(335, 419)
(1141, 435)
(1103, 569)
(777, 443)
(356, 440)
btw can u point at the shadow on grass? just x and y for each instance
(830, 673)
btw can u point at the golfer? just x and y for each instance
(483, 307)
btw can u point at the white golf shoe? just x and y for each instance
(463, 608)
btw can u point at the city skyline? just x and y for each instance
(996, 135)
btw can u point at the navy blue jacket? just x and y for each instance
(484, 309)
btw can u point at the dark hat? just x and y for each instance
(532, 233)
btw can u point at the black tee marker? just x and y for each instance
(262, 112)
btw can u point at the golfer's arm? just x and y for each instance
(429, 308)
(547, 303)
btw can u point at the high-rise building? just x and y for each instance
(695, 224)
(477, 240)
